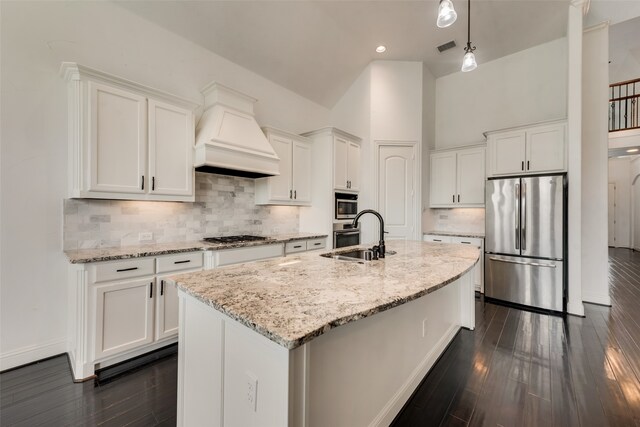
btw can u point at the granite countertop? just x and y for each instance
(457, 234)
(82, 256)
(295, 299)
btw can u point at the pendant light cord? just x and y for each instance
(469, 48)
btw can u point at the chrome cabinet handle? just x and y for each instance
(517, 216)
(523, 225)
(534, 264)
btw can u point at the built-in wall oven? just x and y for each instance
(345, 234)
(346, 205)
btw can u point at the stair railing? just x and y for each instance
(624, 103)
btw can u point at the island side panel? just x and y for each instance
(200, 364)
(362, 373)
(468, 299)
(228, 374)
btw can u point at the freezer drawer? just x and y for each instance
(527, 281)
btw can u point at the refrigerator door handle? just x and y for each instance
(534, 264)
(517, 216)
(523, 223)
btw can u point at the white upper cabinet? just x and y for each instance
(171, 136)
(293, 185)
(127, 141)
(118, 139)
(457, 178)
(353, 166)
(346, 164)
(527, 150)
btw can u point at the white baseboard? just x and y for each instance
(596, 298)
(395, 404)
(32, 353)
(576, 308)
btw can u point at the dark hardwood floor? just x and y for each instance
(526, 369)
(516, 369)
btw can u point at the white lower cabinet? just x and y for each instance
(478, 276)
(166, 308)
(124, 316)
(122, 309)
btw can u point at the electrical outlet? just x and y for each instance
(251, 391)
(146, 236)
(424, 327)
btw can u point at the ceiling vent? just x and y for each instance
(446, 46)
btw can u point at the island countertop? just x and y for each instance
(295, 299)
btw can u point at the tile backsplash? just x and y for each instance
(462, 219)
(223, 206)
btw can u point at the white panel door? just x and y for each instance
(118, 140)
(612, 214)
(546, 149)
(471, 177)
(280, 186)
(171, 140)
(340, 162)
(396, 190)
(507, 153)
(302, 172)
(443, 179)
(124, 316)
(167, 304)
(353, 167)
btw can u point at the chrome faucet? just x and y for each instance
(380, 248)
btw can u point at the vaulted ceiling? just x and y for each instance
(318, 48)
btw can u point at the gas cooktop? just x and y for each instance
(235, 239)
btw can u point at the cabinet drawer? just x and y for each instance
(236, 256)
(122, 269)
(297, 246)
(184, 261)
(468, 241)
(316, 244)
(436, 238)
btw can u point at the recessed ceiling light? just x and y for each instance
(632, 150)
(381, 49)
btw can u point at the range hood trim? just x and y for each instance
(229, 138)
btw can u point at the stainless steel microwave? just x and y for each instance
(346, 205)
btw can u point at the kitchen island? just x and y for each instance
(313, 341)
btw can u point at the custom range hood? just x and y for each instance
(228, 138)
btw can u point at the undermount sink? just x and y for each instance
(358, 255)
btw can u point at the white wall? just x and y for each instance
(620, 175)
(635, 196)
(525, 87)
(36, 38)
(428, 144)
(595, 82)
(384, 103)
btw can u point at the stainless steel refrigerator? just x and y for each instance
(525, 241)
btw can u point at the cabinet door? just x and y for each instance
(280, 186)
(118, 140)
(546, 149)
(507, 153)
(124, 316)
(167, 308)
(171, 140)
(471, 176)
(353, 166)
(301, 172)
(443, 179)
(340, 162)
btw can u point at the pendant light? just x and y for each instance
(469, 61)
(446, 14)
